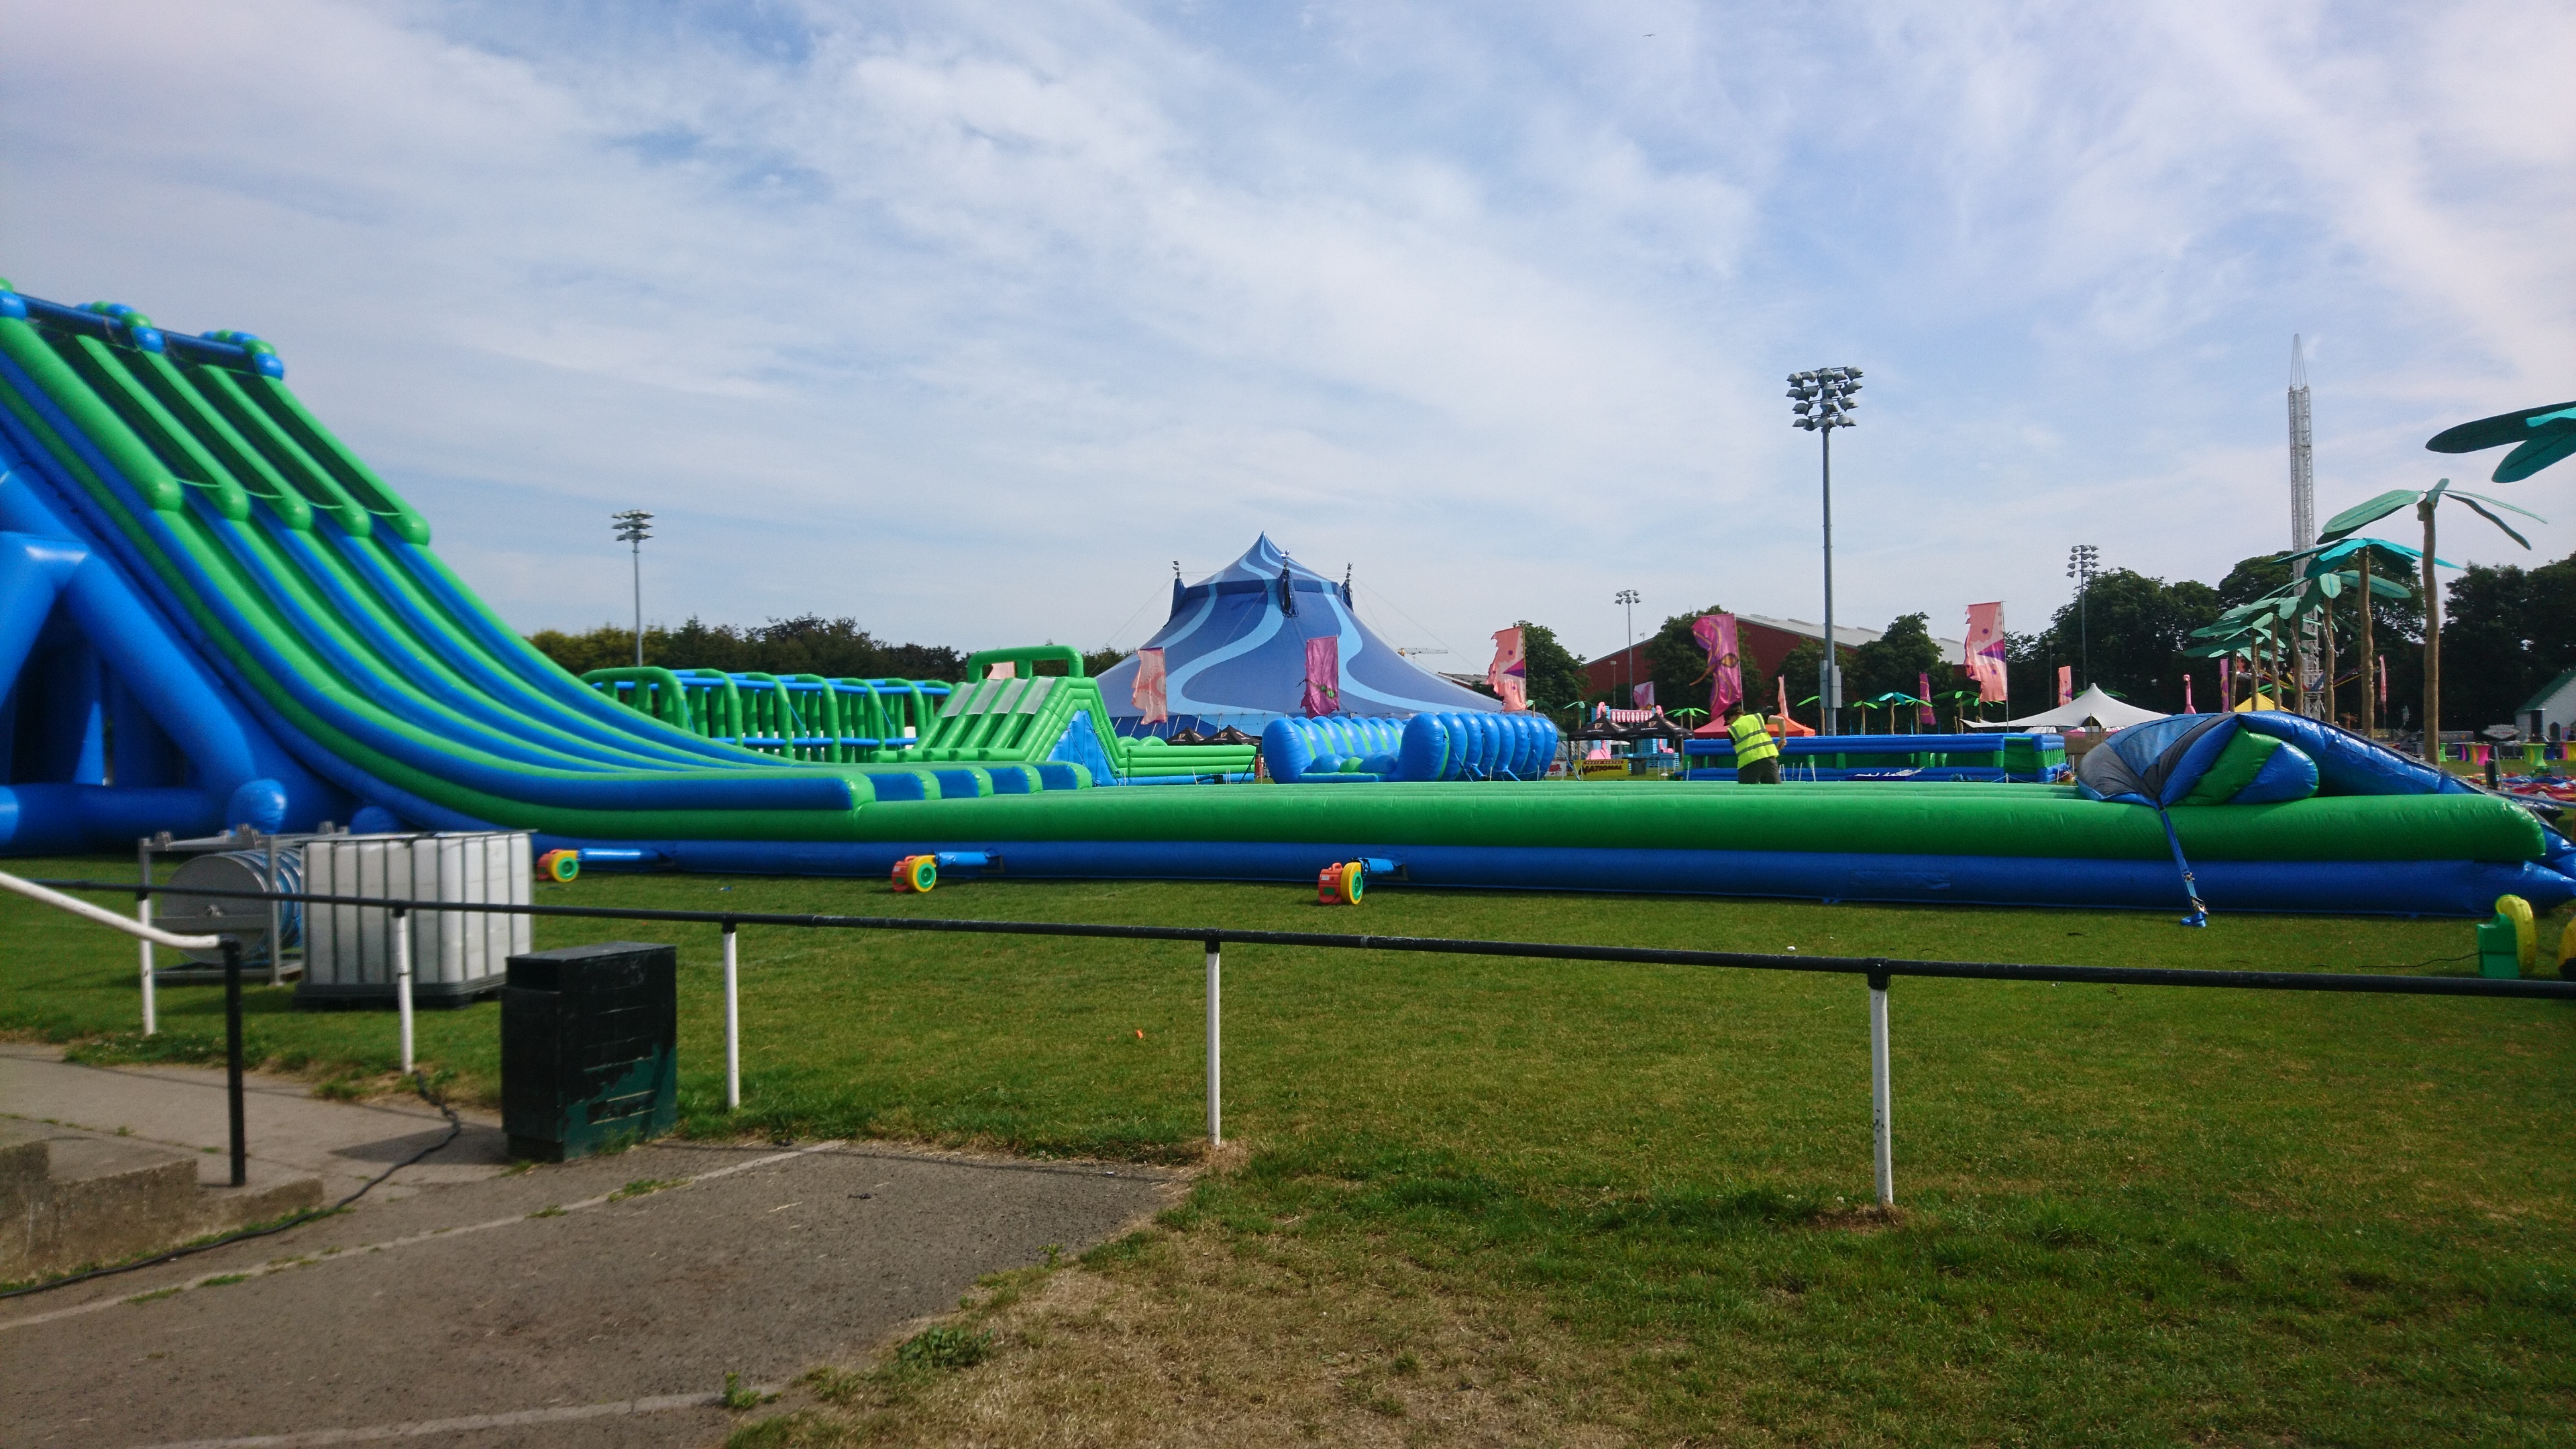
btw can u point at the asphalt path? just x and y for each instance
(599, 1302)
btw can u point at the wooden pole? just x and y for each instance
(2325, 617)
(2432, 642)
(2369, 662)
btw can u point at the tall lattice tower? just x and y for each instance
(2303, 524)
(2303, 468)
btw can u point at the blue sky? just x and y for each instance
(968, 319)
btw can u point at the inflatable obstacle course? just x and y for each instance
(213, 613)
(1024, 717)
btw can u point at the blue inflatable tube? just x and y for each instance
(1452, 745)
(69, 819)
(208, 724)
(2384, 888)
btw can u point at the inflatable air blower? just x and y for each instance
(2509, 944)
(916, 873)
(1341, 884)
(559, 866)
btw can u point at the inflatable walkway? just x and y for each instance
(212, 613)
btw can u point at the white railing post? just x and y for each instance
(143, 918)
(1882, 1130)
(732, 1021)
(402, 982)
(276, 922)
(1215, 1103)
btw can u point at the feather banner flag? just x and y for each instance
(1642, 695)
(1508, 675)
(1986, 652)
(1923, 716)
(1323, 675)
(2382, 661)
(2186, 693)
(2065, 684)
(1725, 674)
(1147, 695)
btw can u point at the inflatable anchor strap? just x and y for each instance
(2191, 891)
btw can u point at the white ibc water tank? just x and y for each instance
(455, 955)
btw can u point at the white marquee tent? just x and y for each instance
(2090, 707)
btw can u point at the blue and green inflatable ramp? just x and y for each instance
(213, 612)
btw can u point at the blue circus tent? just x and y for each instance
(1234, 653)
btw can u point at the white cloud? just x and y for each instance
(967, 319)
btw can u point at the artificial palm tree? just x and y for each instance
(2425, 503)
(2541, 436)
(2361, 552)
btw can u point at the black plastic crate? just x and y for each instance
(590, 1048)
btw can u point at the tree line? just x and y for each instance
(806, 644)
(2506, 632)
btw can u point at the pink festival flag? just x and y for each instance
(2186, 693)
(2066, 684)
(1986, 652)
(1147, 695)
(1716, 636)
(1923, 715)
(2382, 662)
(1642, 695)
(1323, 675)
(1508, 675)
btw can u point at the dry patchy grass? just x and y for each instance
(1182, 1337)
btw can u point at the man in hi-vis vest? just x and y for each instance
(1757, 755)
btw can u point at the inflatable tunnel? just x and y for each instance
(1353, 749)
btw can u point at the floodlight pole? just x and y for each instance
(633, 526)
(1627, 598)
(2083, 561)
(1829, 694)
(1822, 401)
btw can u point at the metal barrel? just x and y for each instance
(174, 908)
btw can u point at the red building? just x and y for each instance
(1761, 642)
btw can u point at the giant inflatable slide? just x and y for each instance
(214, 614)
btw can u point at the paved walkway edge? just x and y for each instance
(379, 1432)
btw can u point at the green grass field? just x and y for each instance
(2130, 1215)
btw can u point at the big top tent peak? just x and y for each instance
(1235, 651)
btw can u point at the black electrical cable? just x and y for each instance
(420, 1084)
